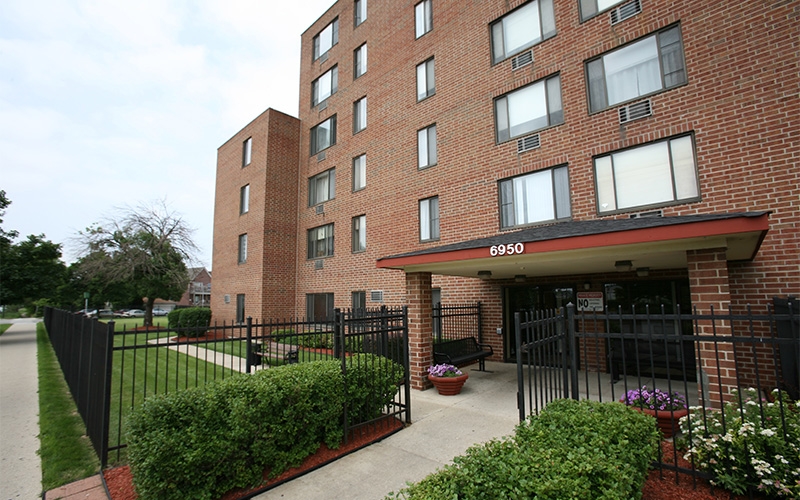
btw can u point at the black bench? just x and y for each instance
(460, 351)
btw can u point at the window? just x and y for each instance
(537, 197)
(529, 108)
(522, 28)
(240, 308)
(359, 300)
(324, 86)
(645, 67)
(320, 241)
(429, 219)
(590, 8)
(660, 173)
(322, 187)
(244, 199)
(359, 233)
(426, 81)
(423, 15)
(359, 172)
(326, 39)
(242, 248)
(323, 135)
(360, 115)
(359, 61)
(247, 151)
(360, 12)
(426, 147)
(319, 307)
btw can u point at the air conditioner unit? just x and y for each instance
(644, 215)
(635, 111)
(626, 11)
(376, 296)
(318, 264)
(521, 60)
(320, 209)
(528, 143)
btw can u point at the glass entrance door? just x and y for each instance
(525, 298)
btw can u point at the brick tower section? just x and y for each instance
(420, 327)
(708, 279)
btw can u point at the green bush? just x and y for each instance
(571, 450)
(193, 320)
(202, 442)
(371, 383)
(757, 448)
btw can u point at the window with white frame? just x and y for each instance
(359, 233)
(360, 12)
(423, 16)
(326, 39)
(647, 66)
(530, 108)
(359, 172)
(426, 80)
(322, 187)
(360, 61)
(429, 219)
(660, 173)
(360, 115)
(320, 241)
(242, 257)
(244, 199)
(247, 151)
(324, 86)
(522, 28)
(426, 147)
(590, 8)
(323, 135)
(534, 198)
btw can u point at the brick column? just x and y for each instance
(708, 281)
(420, 327)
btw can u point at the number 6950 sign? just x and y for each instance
(509, 249)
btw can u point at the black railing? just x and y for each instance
(136, 364)
(457, 321)
(714, 359)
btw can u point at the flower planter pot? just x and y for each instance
(448, 386)
(667, 420)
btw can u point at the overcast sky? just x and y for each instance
(107, 104)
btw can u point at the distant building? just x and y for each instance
(197, 294)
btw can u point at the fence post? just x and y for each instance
(249, 344)
(573, 351)
(338, 343)
(520, 380)
(106, 413)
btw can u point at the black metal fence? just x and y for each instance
(139, 363)
(456, 321)
(713, 359)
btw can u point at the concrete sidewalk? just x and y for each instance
(20, 466)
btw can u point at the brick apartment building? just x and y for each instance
(522, 154)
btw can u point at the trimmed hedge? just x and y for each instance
(194, 320)
(570, 450)
(200, 443)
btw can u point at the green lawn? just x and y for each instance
(4, 327)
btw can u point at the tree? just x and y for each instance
(146, 248)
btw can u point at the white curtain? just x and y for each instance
(632, 71)
(522, 28)
(533, 198)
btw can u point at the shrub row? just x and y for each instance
(203, 442)
(195, 320)
(570, 450)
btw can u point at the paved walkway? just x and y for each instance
(20, 467)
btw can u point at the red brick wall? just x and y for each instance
(268, 277)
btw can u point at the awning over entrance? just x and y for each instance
(591, 246)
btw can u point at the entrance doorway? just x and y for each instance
(526, 298)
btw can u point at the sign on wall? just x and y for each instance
(590, 301)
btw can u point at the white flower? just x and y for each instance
(767, 432)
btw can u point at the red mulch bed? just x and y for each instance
(660, 485)
(120, 480)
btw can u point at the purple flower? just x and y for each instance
(444, 370)
(655, 399)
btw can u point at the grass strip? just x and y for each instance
(4, 327)
(66, 452)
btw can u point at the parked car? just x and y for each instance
(134, 313)
(120, 313)
(160, 312)
(105, 313)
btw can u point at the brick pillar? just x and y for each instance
(420, 327)
(708, 281)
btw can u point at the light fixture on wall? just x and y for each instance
(484, 275)
(587, 285)
(642, 271)
(519, 278)
(623, 265)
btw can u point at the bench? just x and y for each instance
(460, 351)
(290, 356)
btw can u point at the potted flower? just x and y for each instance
(667, 407)
(447, 379)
